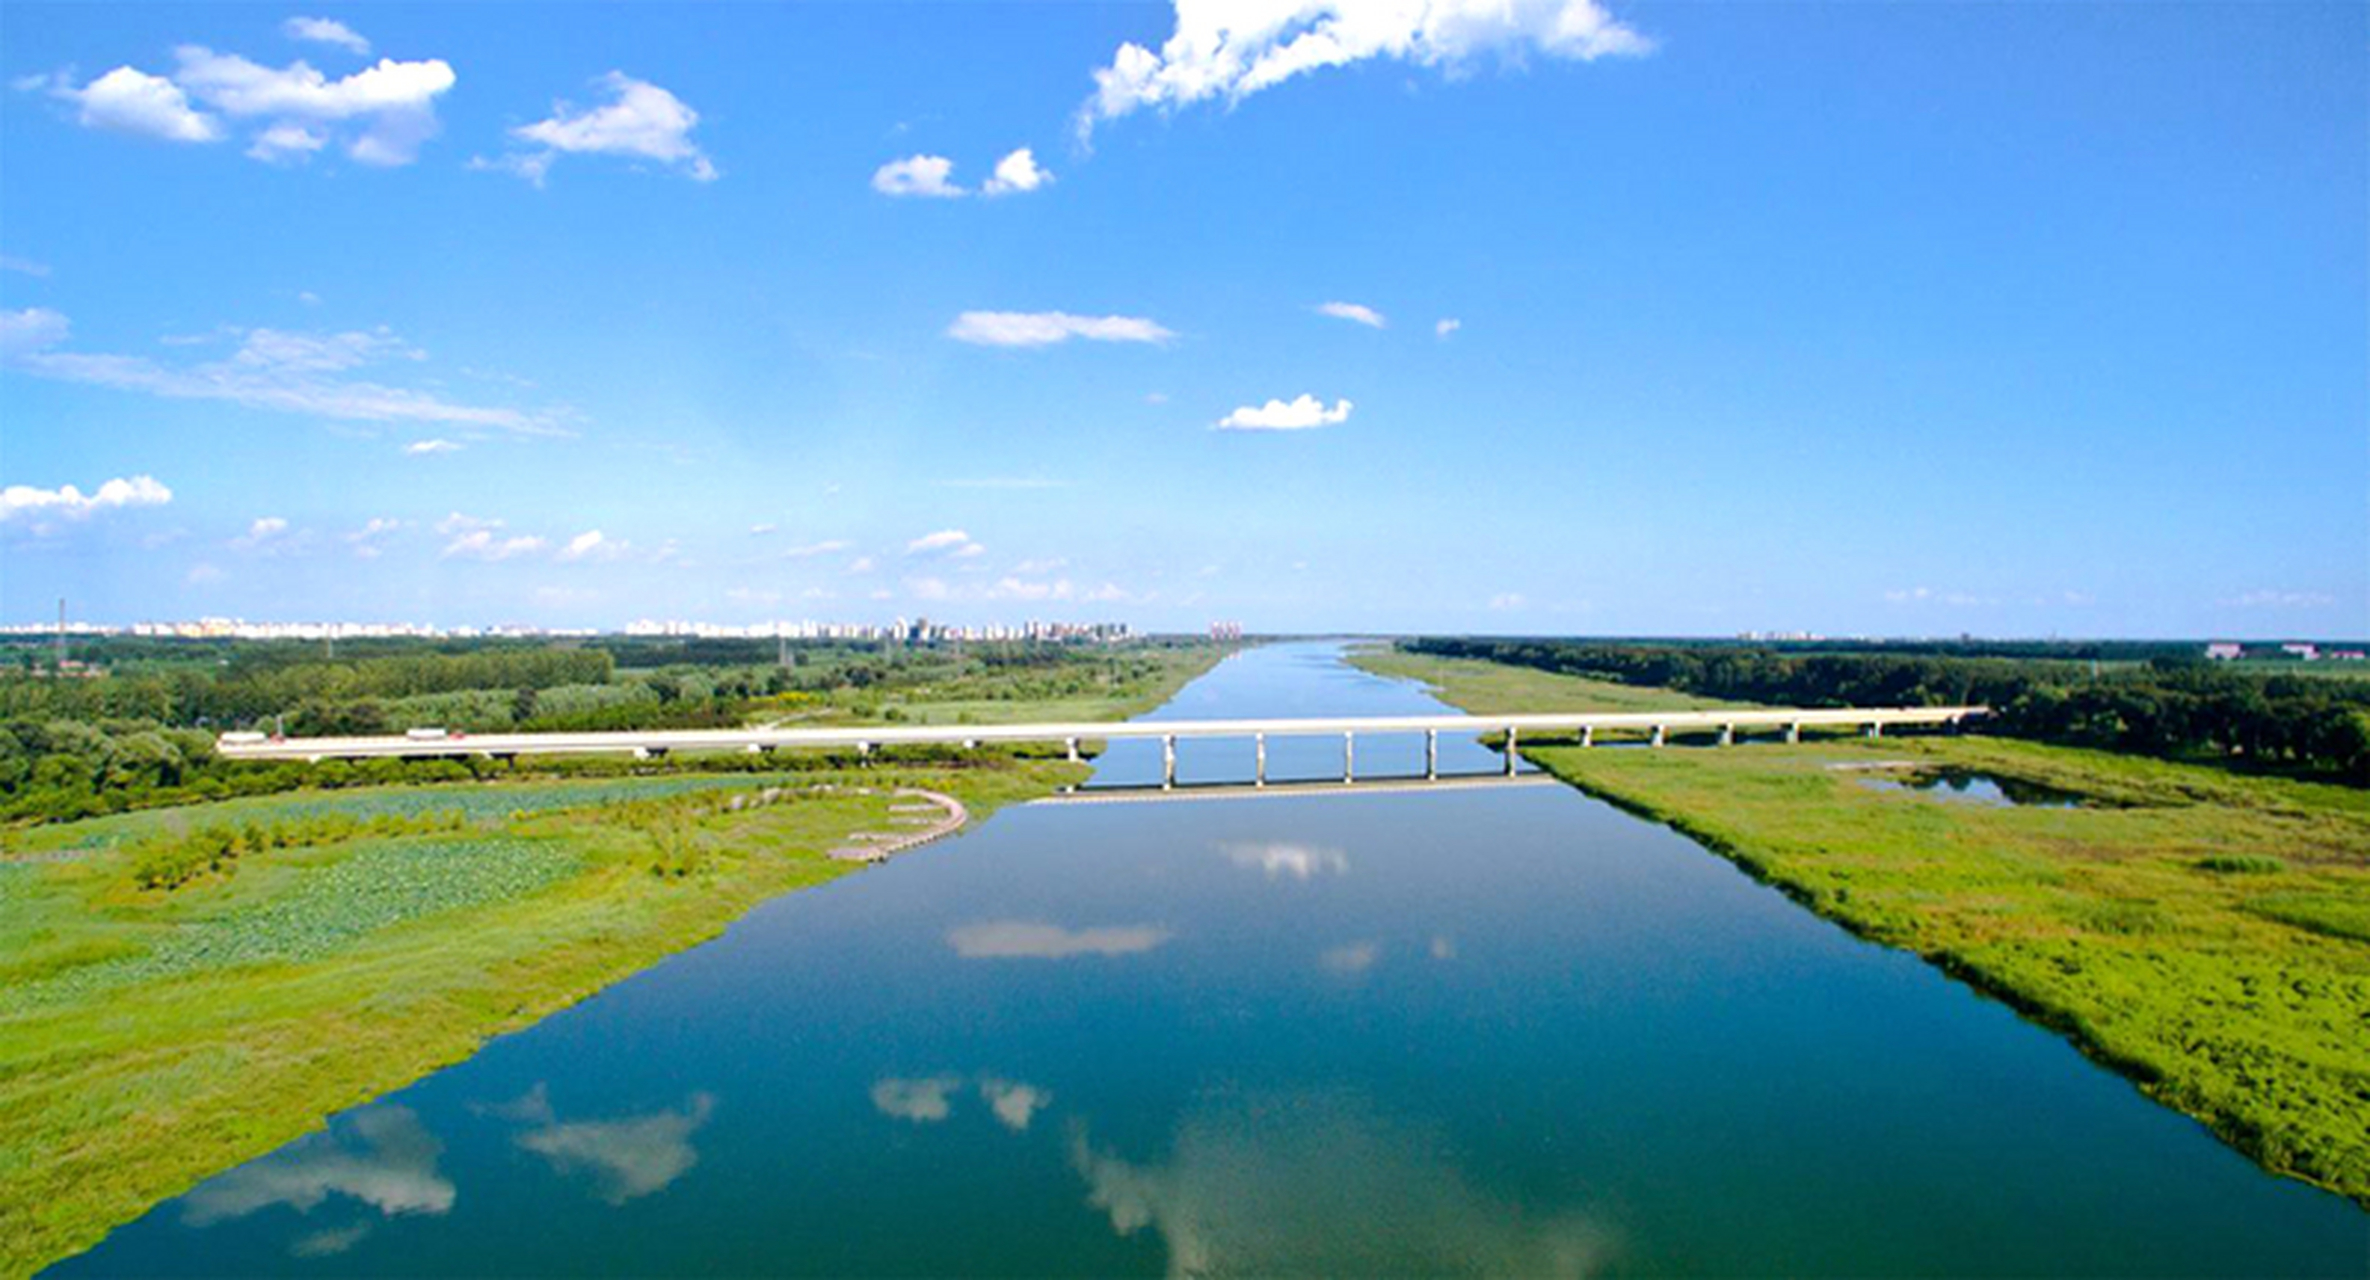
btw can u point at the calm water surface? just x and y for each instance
(1507, 1031)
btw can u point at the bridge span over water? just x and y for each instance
(1655, 727)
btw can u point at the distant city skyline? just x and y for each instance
(1547, 317)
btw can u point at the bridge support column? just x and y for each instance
(1512, 760)
(1431, 755)
(1072, 745)
(864, 753)
(1793, 734)
(1875, 730)
(1349, 758)
(1658, 735)
(970, 744)
(1168, 761)
(1727, 735)
(1258, 759)
(1588, 735)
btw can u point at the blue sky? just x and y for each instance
(1543, 317)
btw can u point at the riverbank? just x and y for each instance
(2206, 935)
(149, 1037)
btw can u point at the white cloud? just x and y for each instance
(641, 121)
(1446, 326)
(1031, 940)
(1016, 173)
(813, 549)
(19, 501)
(473, 538)
(932, 177)
(861, 564)
(945, 542)
(426, 448)
(760, 530)
(1276, 415)
(922, 1101)
(128, 100)
(24, 266)
(591, 544)
(272, 369)
(1507, 600)
(1015, 1104)
(386, 111)
(286, 143)
(326, 31)
(1231, 49)
(263, 531)
(367, 540)
(1045, 328)
(1353, 312)
(925, 176)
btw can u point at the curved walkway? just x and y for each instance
(944, 815)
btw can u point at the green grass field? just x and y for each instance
(150, 1038)
(2206, 934)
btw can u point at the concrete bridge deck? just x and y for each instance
(1727, 723)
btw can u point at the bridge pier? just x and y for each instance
(1727, 735)
(1431, 755)
(1588, 735)
(1349, 758)
(1168, 761)
(1512, 760)
(1072, 745)
(1793, 734)
(1259, 760)
(1658, 736)
(1875, 730)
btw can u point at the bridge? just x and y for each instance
(1656, 727)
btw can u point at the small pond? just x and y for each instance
(1967, 786)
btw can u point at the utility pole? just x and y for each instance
(61, 634)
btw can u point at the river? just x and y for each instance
(1505, 1031)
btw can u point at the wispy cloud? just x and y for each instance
(1003, 482)
(426, 448)
(1046, 328)
(1230, 52)
(1354, 313)
(1445, 326)
(2275, 599)
(953, 543)
(272, 369)
(327, 31)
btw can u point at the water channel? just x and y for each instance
(1508, 1031)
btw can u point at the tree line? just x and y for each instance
(2170, 706)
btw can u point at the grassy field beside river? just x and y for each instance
(149, 1038)
(2206, 934)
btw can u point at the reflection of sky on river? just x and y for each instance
(1511, 1031)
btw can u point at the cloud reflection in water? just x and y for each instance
(1279, 859)
(381, 1156)
(1036, 940)
(1318, 1185)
